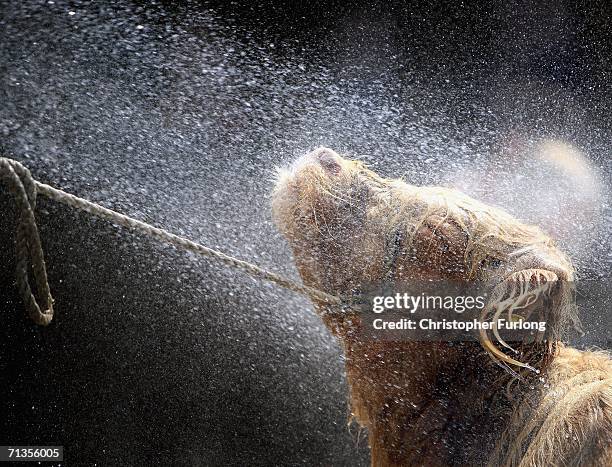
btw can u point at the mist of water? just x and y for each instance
(178, 117)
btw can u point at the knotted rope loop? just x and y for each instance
(22, 186)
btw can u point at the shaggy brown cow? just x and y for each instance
(440, 402)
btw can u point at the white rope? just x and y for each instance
(181, 242)
(176, 240)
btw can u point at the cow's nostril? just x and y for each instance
(329, 160)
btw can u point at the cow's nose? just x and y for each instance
(328, 159)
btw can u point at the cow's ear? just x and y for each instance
(535, 295)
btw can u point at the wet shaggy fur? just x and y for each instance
(447, 403)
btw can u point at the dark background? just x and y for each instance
(158, 357)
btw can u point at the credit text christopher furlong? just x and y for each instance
(457, 304)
